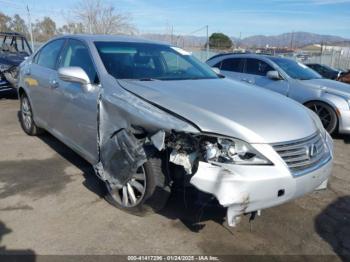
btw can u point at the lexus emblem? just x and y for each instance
(311, 151)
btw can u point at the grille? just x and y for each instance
(302, 154)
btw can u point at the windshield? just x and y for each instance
(331, 69)
(143, 61)
(295, 69)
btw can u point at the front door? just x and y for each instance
(256, 70)
(76, 112)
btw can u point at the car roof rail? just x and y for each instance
(11, 34)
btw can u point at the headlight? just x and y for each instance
(4, 67)
(233, 151)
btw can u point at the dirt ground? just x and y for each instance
(51, 203)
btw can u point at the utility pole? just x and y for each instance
(321, 53)
(292, 40)
(30, 29)
(172, 35)
(207, 42)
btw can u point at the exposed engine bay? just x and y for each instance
(14, 48)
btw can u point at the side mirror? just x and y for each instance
(273, 75)
(74, 74)
(216, 70)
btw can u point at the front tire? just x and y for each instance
(26, 118)
(147, 190)
(326, 113)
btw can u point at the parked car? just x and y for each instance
(345, 77)
(145, 114)
(14, 48)
(326, 71)
(330, 100)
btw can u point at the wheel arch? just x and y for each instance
(332, 106)
(21, 91)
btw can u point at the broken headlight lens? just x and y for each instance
(234, 151)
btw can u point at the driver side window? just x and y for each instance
(257, 67)
(77, 54)
(47, 56)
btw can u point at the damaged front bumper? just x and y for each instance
(7, 81)
(4, 84)
(244, 189)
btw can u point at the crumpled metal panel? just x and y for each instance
(121, 115)
(122, 156)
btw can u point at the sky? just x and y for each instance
(232, 17)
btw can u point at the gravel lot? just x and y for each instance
(51, 203)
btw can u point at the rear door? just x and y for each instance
(75, 108)
(256, 71)
(39, 79)
(232, 68)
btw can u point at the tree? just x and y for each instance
(220, 41)
(45, 29)
(71, 28)
(4, 22)
(17, 24)
(100, 18)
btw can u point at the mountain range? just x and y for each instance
(290, 40)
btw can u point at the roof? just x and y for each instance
(11, 34)
(114, 38)
(245, 55)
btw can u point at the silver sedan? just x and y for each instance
(329, 99)
(148, 115)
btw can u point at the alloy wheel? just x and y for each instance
(132, 193)
(323, 114)
(26, 113)
(326, 114)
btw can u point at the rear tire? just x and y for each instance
(26, 118)
(151, 197)
(326, 114)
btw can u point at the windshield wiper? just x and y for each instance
(147, 79)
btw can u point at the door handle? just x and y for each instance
(54, 83)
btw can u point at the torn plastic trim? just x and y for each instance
(183, 159)
(245, 189)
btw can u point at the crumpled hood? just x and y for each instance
(329, 85)
(229, 108)
(13, 59)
